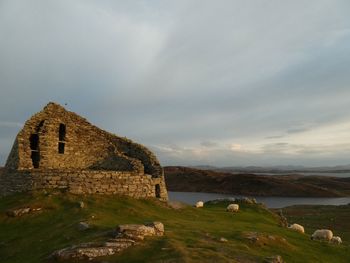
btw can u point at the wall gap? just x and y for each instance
(34, 149)
(157, 190)
(61, 138)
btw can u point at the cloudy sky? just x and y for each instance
(236, 82)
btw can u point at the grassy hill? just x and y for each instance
(186, 179)
(192, 235)
(315, 217)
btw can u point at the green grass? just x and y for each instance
(192, 235)
(312, 217)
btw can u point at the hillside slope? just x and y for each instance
(321, 216)
(185, 179)
(191, 235)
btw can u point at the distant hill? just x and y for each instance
(185, 179)
(276, 168)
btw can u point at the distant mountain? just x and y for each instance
(276, 169)
(205, 167)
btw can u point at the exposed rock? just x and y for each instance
(127, 235)
(135, 232)
(158, 227)
(83, 226)
(81, 204)
(84, 251)
(263, 239)
(18, 212)
(283, 219)
(274, 259)
(120, 242)
(252, 236)
(223, 240)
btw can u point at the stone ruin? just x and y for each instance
(58, 149)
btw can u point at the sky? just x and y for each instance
(224, 83)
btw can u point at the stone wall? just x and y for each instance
(84, 182)
(58, 149)
(85, 146)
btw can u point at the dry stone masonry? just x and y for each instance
(58, 149)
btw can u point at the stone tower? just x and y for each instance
(59, 149)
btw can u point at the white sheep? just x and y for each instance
(336, 240)
(199, 204)
(232, 208)
(298, 228)
(322, 234)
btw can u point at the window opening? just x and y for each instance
(61, 147)
(61, 138)
(62, 132)
(34, 142)
(34, 148)
(157, 190)
(41, 124)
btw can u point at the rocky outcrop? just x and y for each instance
(22, 211)
(273, 259)
(85, 251)
(126, 236)
(83, 226)
(18, 212)
(135, 232)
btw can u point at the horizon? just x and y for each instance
(222, 84)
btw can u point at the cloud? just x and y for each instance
(297, 130)
(209, 144)
(185, 78)
(236, 147)
(9, 124)
(274, 137)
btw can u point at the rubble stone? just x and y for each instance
(127, 235)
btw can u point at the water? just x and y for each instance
(332, 174)
(271, 202)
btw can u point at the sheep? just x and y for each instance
(199, 204)
(232, 208)
(336, 240)
(298, 228)
(322, 234)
